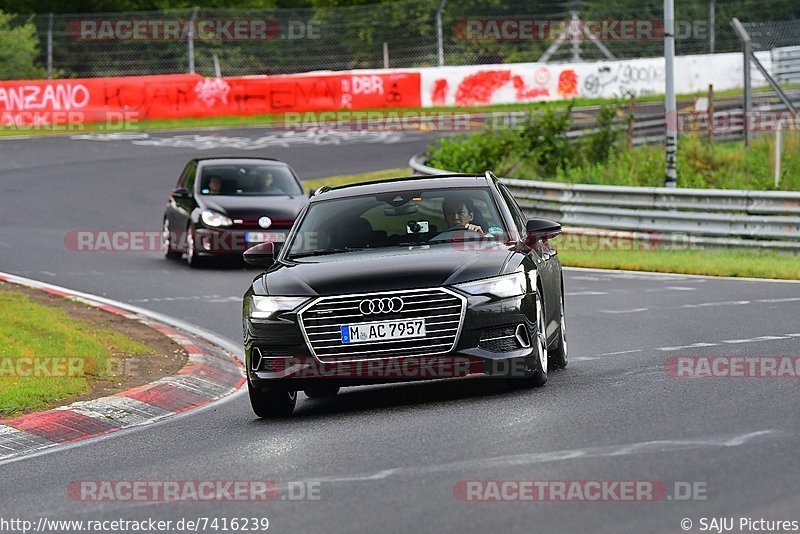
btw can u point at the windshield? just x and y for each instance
(397, 219)
(248, 180)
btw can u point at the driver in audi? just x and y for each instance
(459, 211)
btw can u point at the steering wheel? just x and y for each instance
(456, 228)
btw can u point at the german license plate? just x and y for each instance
(263, 237)
(382, 331)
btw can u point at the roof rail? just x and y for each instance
(322, 189)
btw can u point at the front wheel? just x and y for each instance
(558, 353)
(271, 404)
(166, 242)
(535, 374)
(193, 257)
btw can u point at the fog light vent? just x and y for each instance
(522, 336)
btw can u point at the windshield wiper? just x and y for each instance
(324, 251)
(458, 240)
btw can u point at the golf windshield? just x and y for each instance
(248, 180)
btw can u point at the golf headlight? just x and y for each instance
(214, 219)
(265, 307)
(510, 285)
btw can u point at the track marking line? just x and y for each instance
(695, 277)
(712, 304)
(659, 446)
(692, 346)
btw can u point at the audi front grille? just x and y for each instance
(442, 309)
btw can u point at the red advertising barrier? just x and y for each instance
(137, 98)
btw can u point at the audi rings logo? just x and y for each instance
(385, 305)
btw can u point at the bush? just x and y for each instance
(540, 150)
(19, 48)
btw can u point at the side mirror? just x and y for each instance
(541, 230)
(262, 254)
(180, 192)
(311, 192)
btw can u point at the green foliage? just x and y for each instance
(538, 148)
(19, 48)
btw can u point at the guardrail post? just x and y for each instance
(778, 150)
(631, 119)
(711, 111)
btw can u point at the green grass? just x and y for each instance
(701, 164)
(267, 119)
(623, 255)
(737, 263)
(345, 179)
(29, 329)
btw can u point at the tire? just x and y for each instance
(166, 242)
(321, 392)
(536, 365)
(558, 353)
(193, 258)
(272, 404)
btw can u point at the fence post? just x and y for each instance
(439, 36)
(190, 40)
(670, 105)
(575, 31)
(49, 46)
(217, 70)
(385, 55)
(712, 21)
(747, 48)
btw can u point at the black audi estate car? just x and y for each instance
(399, 280)
(223, 206)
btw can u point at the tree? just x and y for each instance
(19, 48)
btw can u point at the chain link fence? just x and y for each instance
(400, 34)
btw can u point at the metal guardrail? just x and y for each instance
(649, 126)
(786, 64)
(705, 217)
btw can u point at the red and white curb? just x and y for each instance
(211, 373)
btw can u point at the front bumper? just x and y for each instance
(494, 339)
(221, 241)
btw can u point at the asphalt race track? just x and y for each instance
(388, 457)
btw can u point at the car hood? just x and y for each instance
(246, 207)
(387, 269)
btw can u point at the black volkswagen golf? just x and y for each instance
(225, 205)
(405, 279)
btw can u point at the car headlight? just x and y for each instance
(265, 307)
(214, 219)
(509, 285)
